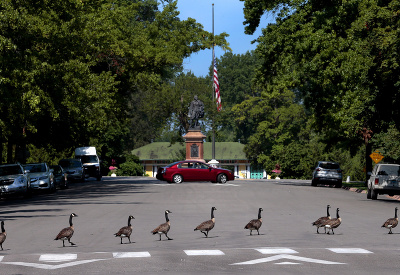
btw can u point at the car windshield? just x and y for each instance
(56, 168)
(70, 163)
(172, 164)
(329, 165)
(35, 168)
(389, 170)
(89, 159)
(10, 170)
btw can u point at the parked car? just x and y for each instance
(73, 168)
(42, 179)
(60, 176)
(327, 172)
(180, 171)
(384, 179)
(14, 180)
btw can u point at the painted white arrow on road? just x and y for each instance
(47, 266)
(286, 256)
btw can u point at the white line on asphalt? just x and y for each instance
(282, 263)
(204, 252)
(46, 266)
(1, 258)
(276, 250)
(56, 258)
(131, 254)
(285, 256)
(349, 250)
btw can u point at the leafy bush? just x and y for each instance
(130, 168)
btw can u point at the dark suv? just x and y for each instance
(327, 172)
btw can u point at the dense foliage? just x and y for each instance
(109, 74)
(83, 72)
(329, 69)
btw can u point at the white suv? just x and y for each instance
(385, 179)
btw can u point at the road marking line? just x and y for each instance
(56, 258)
(120, 255)
(46, 266)
(1, 258)
(204, 252)
(282, 263)
(350, 250)
(289, 257)
(225, 184)
(276, 250)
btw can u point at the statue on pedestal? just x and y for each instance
(196, 111)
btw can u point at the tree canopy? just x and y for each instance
(76, 72)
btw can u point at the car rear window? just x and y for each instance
(329, 165)
(389, 170)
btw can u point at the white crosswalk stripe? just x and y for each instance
(276, 250)
(131, 254)
(204, 252)
(56, 258)
(349, 250)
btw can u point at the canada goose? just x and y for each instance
(319, 223)
(333, 223)
(126, 231)
(3, 235)
(255, 224)
(206, 226)
(392, 222)
(66, 233)
(164, 227)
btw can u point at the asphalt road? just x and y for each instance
(288, 243)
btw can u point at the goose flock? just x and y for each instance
(328, 223)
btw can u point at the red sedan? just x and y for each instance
(186, 170)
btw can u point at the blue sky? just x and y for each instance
(228, 17)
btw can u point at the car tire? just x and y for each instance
(313, 183)
(177, 178)
(339, 184)
(222, 178)
(368, 193)
(374, 194)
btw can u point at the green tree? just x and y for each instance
(91, 72)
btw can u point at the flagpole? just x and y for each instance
(213, 93)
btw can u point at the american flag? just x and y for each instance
(216, 86)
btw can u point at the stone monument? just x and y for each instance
(194, 138)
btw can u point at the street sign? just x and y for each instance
(376, 156)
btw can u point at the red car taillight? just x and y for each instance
(376, 181)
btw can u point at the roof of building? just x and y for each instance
(168, 151)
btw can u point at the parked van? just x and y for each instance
(90, 161)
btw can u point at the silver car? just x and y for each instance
(14, 180)
(327, 172)
(41, 176)
(73, 168)
(384, 179)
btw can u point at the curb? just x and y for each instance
(396, 197)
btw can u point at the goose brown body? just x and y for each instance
(68, 232)
(3, 235)
(164, 227)
(126, 231)
(333, 223)
(255, 224)
(206, 226)
(392, 222)
(320, 222)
